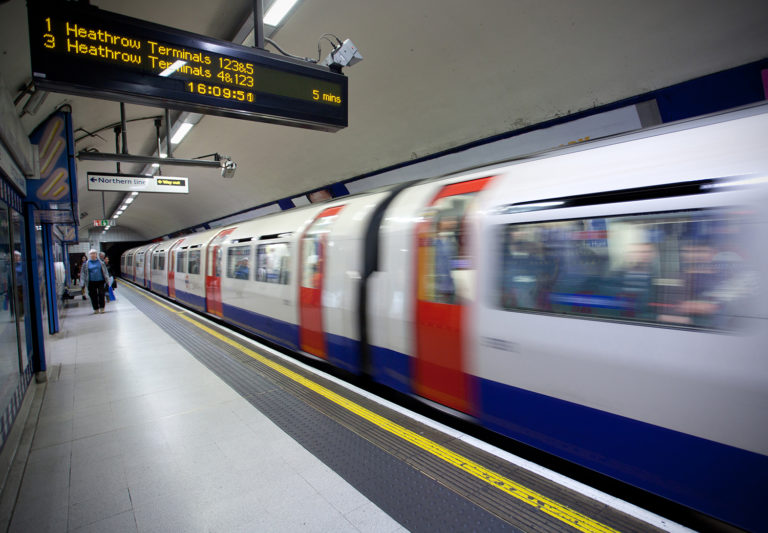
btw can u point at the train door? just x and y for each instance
(313, 254)
(213, 273)
(171, 264)
(444, 287)
(148, 266)
(139, 268)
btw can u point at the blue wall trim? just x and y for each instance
(720, 480)
(283, 333)
(338, 189)
(285, 203)
(716, 92)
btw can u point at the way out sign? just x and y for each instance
(100, 181)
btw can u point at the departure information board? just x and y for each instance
(83, 50)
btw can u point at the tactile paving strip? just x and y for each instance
(420, 490)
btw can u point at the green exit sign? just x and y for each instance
(105, 222)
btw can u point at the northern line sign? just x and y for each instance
(100, 181)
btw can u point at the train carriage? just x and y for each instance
(623, 294)
(189, 259)
(159, 267)
(258, 268)
(139, 268)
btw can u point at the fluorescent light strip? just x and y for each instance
(129, 200)
(173, 68)
(181, 132)
(277, 11)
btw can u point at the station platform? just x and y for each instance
(156, 419)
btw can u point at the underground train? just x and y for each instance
(605, 302)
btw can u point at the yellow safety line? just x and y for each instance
(514, 489)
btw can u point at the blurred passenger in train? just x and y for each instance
(446, 250)
(242, 270)
(713, 287)
(528, 271)
(95, 276)
(634, 289)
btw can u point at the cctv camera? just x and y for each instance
(345, 55)
(228, 168)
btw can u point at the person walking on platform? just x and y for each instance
(83, 261)
(95, 277)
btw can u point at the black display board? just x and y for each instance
(83, 50)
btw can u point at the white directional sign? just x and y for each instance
(99, 181)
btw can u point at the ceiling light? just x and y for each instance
(181, 132)
(277, 11)
(155, 165)
(120, 212)
(134, 193)
(173, 68)
(129, 200)
(115, 215)
(163, 156)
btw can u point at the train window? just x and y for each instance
(193, 266)
(272, 263)
(313, 251)
(161, 261)
(238, 258)
(690, 268)
(154, 261)
(444, 263)
(181, 261)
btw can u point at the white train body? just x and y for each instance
(606, 303)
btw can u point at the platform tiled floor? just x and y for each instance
(135, 434)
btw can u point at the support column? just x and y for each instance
(35, 337)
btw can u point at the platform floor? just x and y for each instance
(134, 434)
(155, 419)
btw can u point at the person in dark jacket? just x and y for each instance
(95, 276)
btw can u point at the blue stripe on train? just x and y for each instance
(719, 480)
(283, 333)
(343, 352)
(391, 368)
(192, 300)
(160, 289)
